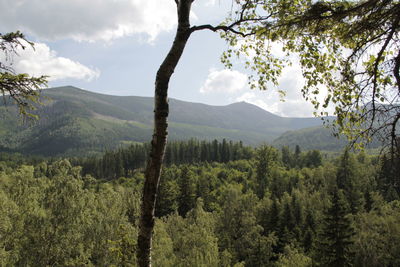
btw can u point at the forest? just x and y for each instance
(218, 204)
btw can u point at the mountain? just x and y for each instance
(74, 121)
(319, 138)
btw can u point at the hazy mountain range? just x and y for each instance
(74, 121)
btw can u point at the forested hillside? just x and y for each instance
(311, 138)
(77, 122)
(219, 204)
(320, 137)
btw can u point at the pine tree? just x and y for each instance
(168, 192)
(313, 159)
(286, 157)
(309, 226)
(265, 158)
(216, 156)
(334, 248)
(286, 226)
(368, 201)
(274, 217)
(389, 176)
(187, 196)
(347, 181)
(297, 154)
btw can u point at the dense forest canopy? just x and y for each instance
(266, 208)
(233, 206)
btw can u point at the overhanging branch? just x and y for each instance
(219, 28)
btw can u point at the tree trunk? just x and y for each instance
(159, 140)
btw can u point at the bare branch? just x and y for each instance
(231, 27)
(219, 28)
(378, 61)
(396, 71)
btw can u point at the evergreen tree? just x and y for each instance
(389, 176)
(274, 217)
(187, 187)
(168, 193)
(336, 236)
(287, 224)
(266, 158)
(297, 156)
(313, 159)
(309, 226)
(287, 159)
(368, 201)
(346, 179)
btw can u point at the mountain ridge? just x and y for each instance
(75, 121)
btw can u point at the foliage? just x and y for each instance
(124, 161)
(336, 236)
(378, 233)
(293, 258)
(348, 47)
(20, 88)
(51, 214)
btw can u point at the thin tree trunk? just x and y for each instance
(159, 140)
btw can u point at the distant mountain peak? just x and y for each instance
(67, 87)
(80, 120)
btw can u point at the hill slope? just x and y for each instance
(75, 121)
(319, 138)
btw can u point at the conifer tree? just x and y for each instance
(21, 89)
(286, 226)
(274, 216)
(297, 155)
(334, 248)
(389, 176)
(346, 180)
(168, 193)
(286, 157)
(265, 158)
(309, 226)
(187, 196)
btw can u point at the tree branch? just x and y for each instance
(219, 28)
(377, 63)
(231, 27)
(396, 71)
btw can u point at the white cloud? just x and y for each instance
(294, 105)
(88, 20)
(269, 100)
(210, 3)
(44, 61)
(253, 98)
(292, 81)
(224, 81)
(294, 108)
(233, 86)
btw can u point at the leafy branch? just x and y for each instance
(21, 89)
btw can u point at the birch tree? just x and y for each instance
(349, 47)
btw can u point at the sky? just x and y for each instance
(116, 46)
